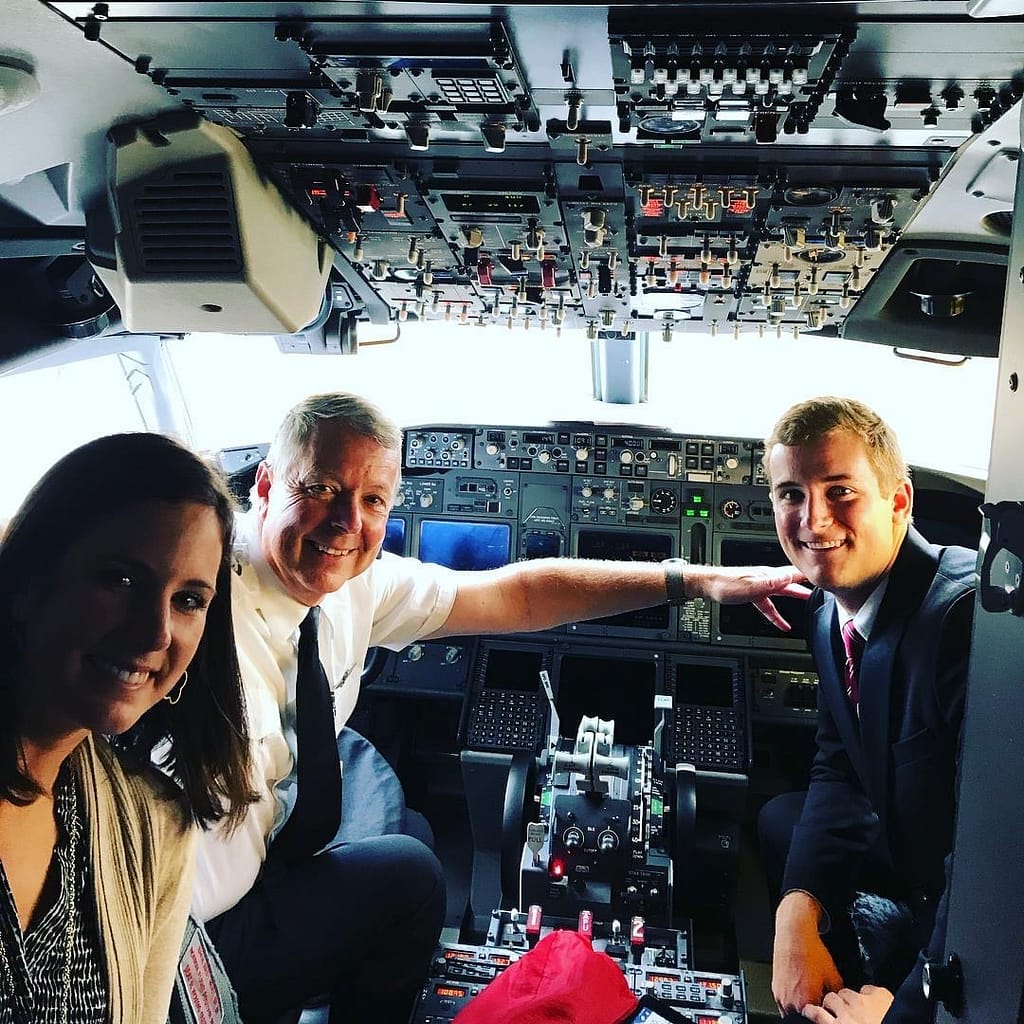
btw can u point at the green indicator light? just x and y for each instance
(657, 805)
(704, 513)
(691, 512)
(697, 499)
(545, 798)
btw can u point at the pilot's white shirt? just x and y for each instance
(394, 603)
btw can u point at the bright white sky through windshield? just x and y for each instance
(236, 389)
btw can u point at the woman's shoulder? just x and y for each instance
(131, 786)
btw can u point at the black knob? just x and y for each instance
(944, 983)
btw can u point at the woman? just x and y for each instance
(116, 650)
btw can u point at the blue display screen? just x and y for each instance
(462, 545)
(394, 539)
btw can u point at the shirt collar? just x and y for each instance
(281, 612)
(864, 620)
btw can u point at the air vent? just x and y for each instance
(1000, 222)
(186, 224)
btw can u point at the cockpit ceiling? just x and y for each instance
(722, 167)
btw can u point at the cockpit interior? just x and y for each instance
(585, 255)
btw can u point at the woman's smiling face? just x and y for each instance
(116, 628)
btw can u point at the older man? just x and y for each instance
(359, 921)
(890, 625)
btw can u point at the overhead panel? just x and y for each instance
(722, 168)
(679, 80)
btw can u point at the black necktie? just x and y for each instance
(316, 813)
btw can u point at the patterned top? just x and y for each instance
(34, 966)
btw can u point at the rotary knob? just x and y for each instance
(587, 492)
(609, 493)
(626, 457)
(607, 841)
(582, 454)
(492, 449)
(732, 462)
(544, 457)
(426, 500)
(636, 504)
(399, 499)
(415, 652)
(452, 655)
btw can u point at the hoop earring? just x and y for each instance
(175, 695)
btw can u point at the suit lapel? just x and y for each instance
(908, 584)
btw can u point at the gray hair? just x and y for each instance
(350, 413)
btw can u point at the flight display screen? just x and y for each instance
(619, 689)
(708, 685)
(513, 670)
(394, 538)
(744, 619)
(465, 545)
(629, 546)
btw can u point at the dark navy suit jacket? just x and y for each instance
(886, 782)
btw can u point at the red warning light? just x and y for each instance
(740, 206)
(318, 193)
(653, 208)
(556, 868)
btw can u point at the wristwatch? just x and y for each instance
(675, 580)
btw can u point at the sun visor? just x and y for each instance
(194, 237)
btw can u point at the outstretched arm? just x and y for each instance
(528, 596)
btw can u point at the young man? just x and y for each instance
(890, 624)
(359, 921)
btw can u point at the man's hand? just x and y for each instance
(803, 970)
(868, 1006)
(754, 584)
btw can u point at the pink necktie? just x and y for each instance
(854, 644)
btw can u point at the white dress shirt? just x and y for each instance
(394, 603)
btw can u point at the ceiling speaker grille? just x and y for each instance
(186, 224)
